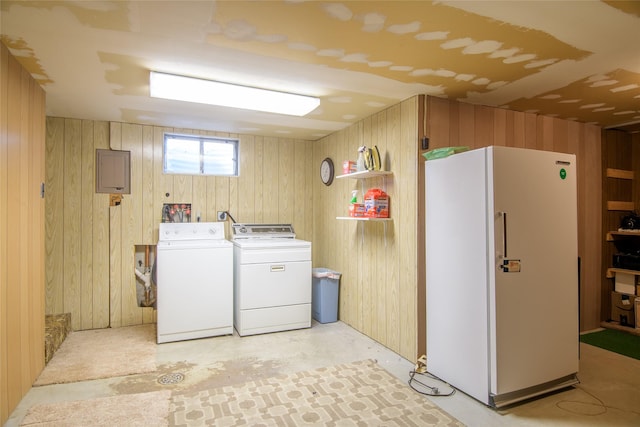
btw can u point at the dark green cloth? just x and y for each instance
(613, 340)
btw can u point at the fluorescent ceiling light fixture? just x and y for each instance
(181, 88)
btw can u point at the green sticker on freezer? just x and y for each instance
(563, 173)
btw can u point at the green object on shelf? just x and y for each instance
(440, 153)
(613, 340)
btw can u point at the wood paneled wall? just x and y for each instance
(22, 136)
(77, 224)
(450, 123)
(378, 261)
(90, 246)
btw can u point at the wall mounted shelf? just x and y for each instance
(359, 218)
(364, 174)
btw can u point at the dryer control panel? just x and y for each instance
(263, 231)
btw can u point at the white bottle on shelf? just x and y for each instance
(360, 166)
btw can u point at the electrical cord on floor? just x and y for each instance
(433, 390)
(603, 408)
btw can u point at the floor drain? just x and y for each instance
(170, 378)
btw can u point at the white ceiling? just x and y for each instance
(578, 60)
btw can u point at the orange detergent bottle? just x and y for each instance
(376, 203)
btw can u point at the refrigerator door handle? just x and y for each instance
(504, 234)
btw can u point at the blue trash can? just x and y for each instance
(324, 298)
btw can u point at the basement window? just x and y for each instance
(200, 155)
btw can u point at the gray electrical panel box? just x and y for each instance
(113, 172)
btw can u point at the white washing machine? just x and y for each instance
(194, 281)
(272, 279)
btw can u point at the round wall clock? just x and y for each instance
(326, 171)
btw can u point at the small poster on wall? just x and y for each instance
(176, 212)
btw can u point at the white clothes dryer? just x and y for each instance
(272, 279)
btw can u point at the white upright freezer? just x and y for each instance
(502, 272)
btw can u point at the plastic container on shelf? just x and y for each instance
(360, 166)
(348, 167)
(355, 209)
(325, 292)
(376, 203)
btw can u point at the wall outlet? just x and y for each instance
(222, 215)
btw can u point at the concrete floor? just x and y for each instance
(609, 392)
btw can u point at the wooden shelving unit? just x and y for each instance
(612, 236)
(618, 190)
